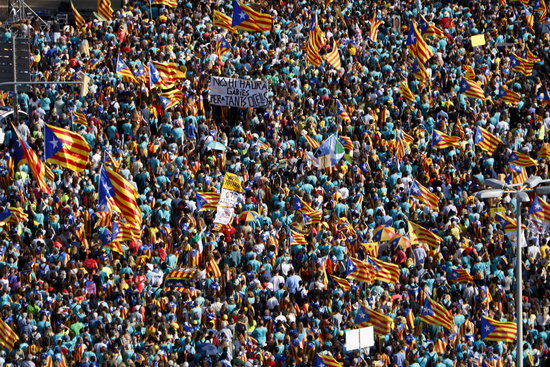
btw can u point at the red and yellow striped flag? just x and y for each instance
(384, 271)
(8, 337)
(522, 160)
(66, 148)
(78, 19)
(417, 45)
(424, 195)
(406, 93)
(421, 235)
(486, 140)
(545, 151)
(312, 142)
(374, 25)
(223, 21)
(333, 57)
(213, 269)
(342, 283)
(105, 10)
(434, 313)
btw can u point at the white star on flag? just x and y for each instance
(54, 143)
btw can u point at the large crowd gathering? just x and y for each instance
(272, 287)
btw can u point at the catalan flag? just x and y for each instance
(470, 73)
(154, 77)
(346, 142)
(125, 232)
(316, 40)
(419, 71)
(213, 269)
(142, 73)
(416, 44)
(527, 54)
(522, 160)
(406, 93)
(247, 19)
(529, 17)
(374, 25)
(540, 209)
(545, 151)
(326, 360)
(223, 21)
(168, 73)
(65, 148)
(521, 65)
(207, 200)
(486, 140)
(103, 219)
(384, 271)
(8, 337)
(171, 98)
(333, 57)
(342, 112)
(540, 6)
(124, 71)
(519, 174)
(222, 47)
(508, 224)
(434, 313)
(12, 215)
(471, 89)
(105, 10)
(25, 152)
(429, 29)
(342, 283)
(441, 140)
(168, 3)
(368, 317)
(421, 235)
(116, 192)
(498, 331)
(360, 271)
(424, 195)
(312, 142)
(460, 276)
(79, 118)
(508, 96)
(80, 232)
(78, 19)
(297, 238)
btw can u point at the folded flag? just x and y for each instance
(417, 45)
(315, 41)
(434, 313)
(312, 142)
(529, 17)
(471, 89)
(441, 140)
(508, 96)
(419, 71)
(470, 74)
(213, 269)
(342, 112)
(429, 29)
(222, 47)
(519, 174)
(66, 148)
(498, 331)
(424, 195)
(368, 317)
(486, 140)
(540, 6)
(177, 278)
(421, 235)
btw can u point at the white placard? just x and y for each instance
(229, 198)
(238, 92)
(359, 338)
(223, 215)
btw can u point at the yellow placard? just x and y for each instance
(495, 210)
(478, 40)
(232, 182)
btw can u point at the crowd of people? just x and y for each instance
(271, 300)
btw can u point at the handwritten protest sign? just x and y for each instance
(238, 92)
